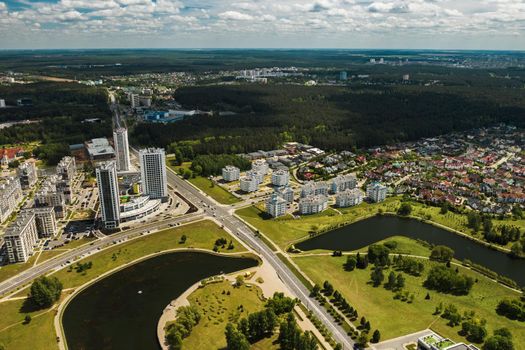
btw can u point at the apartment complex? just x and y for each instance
(106, 173)
(312, 188)
(349, 198)
(27, 174)
(376, 192)
(280, 177)
(276, 205)
(249, 184)
(153, 173)
(313, 204)
(10, 197)
(231, 173)
(120, 142)
(343, 182)
(46, 223)
(261, 166)
(285, 192)
(20, 238)
(51, 195)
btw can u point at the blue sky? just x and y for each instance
(450, 24)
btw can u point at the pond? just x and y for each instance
(122, 310)
(377, 228)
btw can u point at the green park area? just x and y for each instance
(218, 304)
(410, 309)
(204, 184)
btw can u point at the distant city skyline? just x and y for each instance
(381, 24)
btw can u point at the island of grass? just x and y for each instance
(40, 333)
(205, 185)
(395, 317)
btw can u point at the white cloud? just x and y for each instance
(234, 15)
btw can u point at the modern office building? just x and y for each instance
(376, 192)
(20, 238)
(313, 204)
(120, 142)
(153, 173)
(231, 173)
(249, 184)
(45, 219)
(276, 205)
(285, 192)
(280, 177)
(349, 198)
(109, 194)
(99, 149)
(343, 182)
(2, 103)
(27, 175)
(312, 188)
(10, 196)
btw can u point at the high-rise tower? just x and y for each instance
(120, 139)
(108, 194)
(153, 172)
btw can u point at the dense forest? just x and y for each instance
(329, 117)
(61, 109)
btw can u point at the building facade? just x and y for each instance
(249, 184)
(46, 223)
(109, 194)
(27, 175)
(343, 182)
(153, 173)
(120, 142)
(280, 177)
(50, 196)
(231, 173)
(261, 166)
(313, 204)
(312, 188)
(20, 238)
(376, 192)
(276, 205)
(349, 198)
(10, 196)
(285, 192)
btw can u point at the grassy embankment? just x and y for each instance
(40, 334)
(207, 186)
(219, 303)
(378, 305)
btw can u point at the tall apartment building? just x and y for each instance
(20, 238)
(231, 173)
(260, 166)
(376, 192)
(280, 177)
(45, 218)
(312, 188)
(51, 195)
(276, 205)
(27, 174)
(10, 197)
(109, 197)
(349, 197)
(66, 171)
(249, 184)
(257, 175)
(285, 192)
(153, 173)
(134, 100)
(120, 141)
(343, 182)
(313, 204)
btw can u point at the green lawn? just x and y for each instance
(394, 317)
(204, 184)
(201, 234)
(217, 309)
(38, 334)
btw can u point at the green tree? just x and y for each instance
(442, 253)
(235, 340)
(377, 276)
(404, 209)
(45, 291)
(376, 336)
(501, 340)
(351, 263)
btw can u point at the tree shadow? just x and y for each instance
(29, 306)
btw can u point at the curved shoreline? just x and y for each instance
(59, 329)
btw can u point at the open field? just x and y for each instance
(201, 234)
(381, 309)
(219, 303)
(214, 191)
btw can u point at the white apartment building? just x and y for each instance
(120, 142)
(46, 223)
(49, 196)
(66, 172)
(259, 176)
(27, 174)
(134, 100)
(249, 184)
(376, 192)
(20, 238)
(343, 182)
(280, 177)
(313, 204)
(10, 197)
(285, 192)
(231, 173)
(153, 173)
(349, 198)
(276, 205)
(261, 166)
(108, 194)
(312, 188)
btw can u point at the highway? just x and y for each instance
(244, 233)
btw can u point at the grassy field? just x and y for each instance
(201, 234)
(214, 191)
(219, 303)
(381, 309)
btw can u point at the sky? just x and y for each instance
(410, 24)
